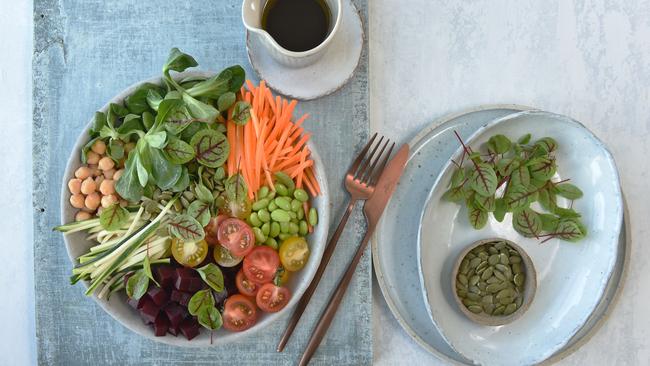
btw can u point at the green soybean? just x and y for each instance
(313, 216)
(275, 229)
(284, 227)
(302, 228)
(283, 203)
(296, 205)
(285, 180)
(254, 219)
(301, 195)
(259, 235)
(270, 242)
(264, 215)
(266, 228)
(263, 203)
(262, 192)
(293, 228)
(280, 215)
(272, 206)
(281, 189)
(300, 214)
(284, 236)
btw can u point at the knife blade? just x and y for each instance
(373, 208)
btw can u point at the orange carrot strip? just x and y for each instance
(299, 168)
(312, 179)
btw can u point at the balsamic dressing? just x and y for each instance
(297, 25)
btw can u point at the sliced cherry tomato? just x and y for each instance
(211, 230)
(261, 264)
(271, 298)
(189, 253)
(239, 313)
(294, 253)
(282, 276)
(236, 236)
(239, 208)
(245, 286)
(224, 258)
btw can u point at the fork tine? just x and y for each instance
(377, 174)
(362, 154)
(366, 177)
(366, 163)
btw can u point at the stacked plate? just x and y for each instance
(577, 282)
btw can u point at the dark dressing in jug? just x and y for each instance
(297, 25)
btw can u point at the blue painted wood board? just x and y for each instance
(85, 52)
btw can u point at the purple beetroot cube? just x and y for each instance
(187, 280)
(138, 303)
(149, 312)
(158, 295)
(175, 313)
(161, 325)
(174, 330)
(183, 298)
(190, 328)
(165, 275)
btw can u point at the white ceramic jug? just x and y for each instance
(252, 18)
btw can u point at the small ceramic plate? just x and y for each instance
(117, 307)
(572, 277)
(326, 75)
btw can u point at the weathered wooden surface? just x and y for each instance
(85, 52)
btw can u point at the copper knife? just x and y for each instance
(372, 209)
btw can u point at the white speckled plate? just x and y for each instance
(572, 277)
(324, 76)
(396, 266)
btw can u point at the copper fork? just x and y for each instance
(360, 182)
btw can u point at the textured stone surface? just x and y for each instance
(85, 52)
(586, 59)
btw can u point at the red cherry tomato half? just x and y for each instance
(261, 264)
(236, 236)
(245, 286)
(239, 313)
(271, 298)
(211, 230)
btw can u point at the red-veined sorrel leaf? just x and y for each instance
(477, 217)
(178, 151)
(186, 228)
(211, 147)
(113, 217)
(527, 222)
(542, 168)
(483, 179)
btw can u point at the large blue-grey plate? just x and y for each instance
(395, 243)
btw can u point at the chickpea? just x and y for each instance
(107, 187)
(83, 172)
(94, 171)
(92, 157)
(77, 200)
(128, 147)
(108, 174)
(74, 185)
(118, 174)
(98, 180)
(82, 215)
(106, 163)
(88, 186)
(108, 200)
(92, 201)
(99, 147)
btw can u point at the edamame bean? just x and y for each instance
(296, 205)
(301, 195)
(292, 215)
(259, 235)
(284, 237)
(254, 220)
(270, 242)
(263, 203)
(262, 192)
(264, 215)
(284, 227)
(300, 214)
(285, 180)
(283, 203)
(293, 228)
(275, 230)
(302, 228)
(313, 217)
(272, 206)
(280, 215)
(266, 229)
(281, 189)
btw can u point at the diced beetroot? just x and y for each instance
(165, 275)
(187, 280)
(149, 312)
(138, 304)
(161, 325)
(175, 313)
(190, 328)
(183, 298)
(220, 297)
(159, 296)
(174, 330)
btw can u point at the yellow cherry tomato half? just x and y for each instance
(294, 253)
(189, 253)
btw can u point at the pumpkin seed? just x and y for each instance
(472, 296)
(500, 275)
(482, 265)
(464, 266)
(474, 262)
(468, 302)
(493, 280)
(504, 259)
(488, 308)
(519, 301)
(492, 288)
(474, 280)
(499, 310)
(519, 279)
(500, 245)
(510, 308)
(482, 285)
(517, 268)
(475, 309)
(463, 279)
(505, 300)
(515, 259)
(480, 271)
(505, 293)
(483, 255)
(461, 293)
(488, 299)
(494, 259)
(459, 285)
(493, 250)
(487, 273)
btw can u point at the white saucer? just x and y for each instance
(321, 78)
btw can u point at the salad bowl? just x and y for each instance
(117, 306)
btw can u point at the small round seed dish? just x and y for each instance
(494, 281)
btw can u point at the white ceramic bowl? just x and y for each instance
(571, 276)
(76, 245)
